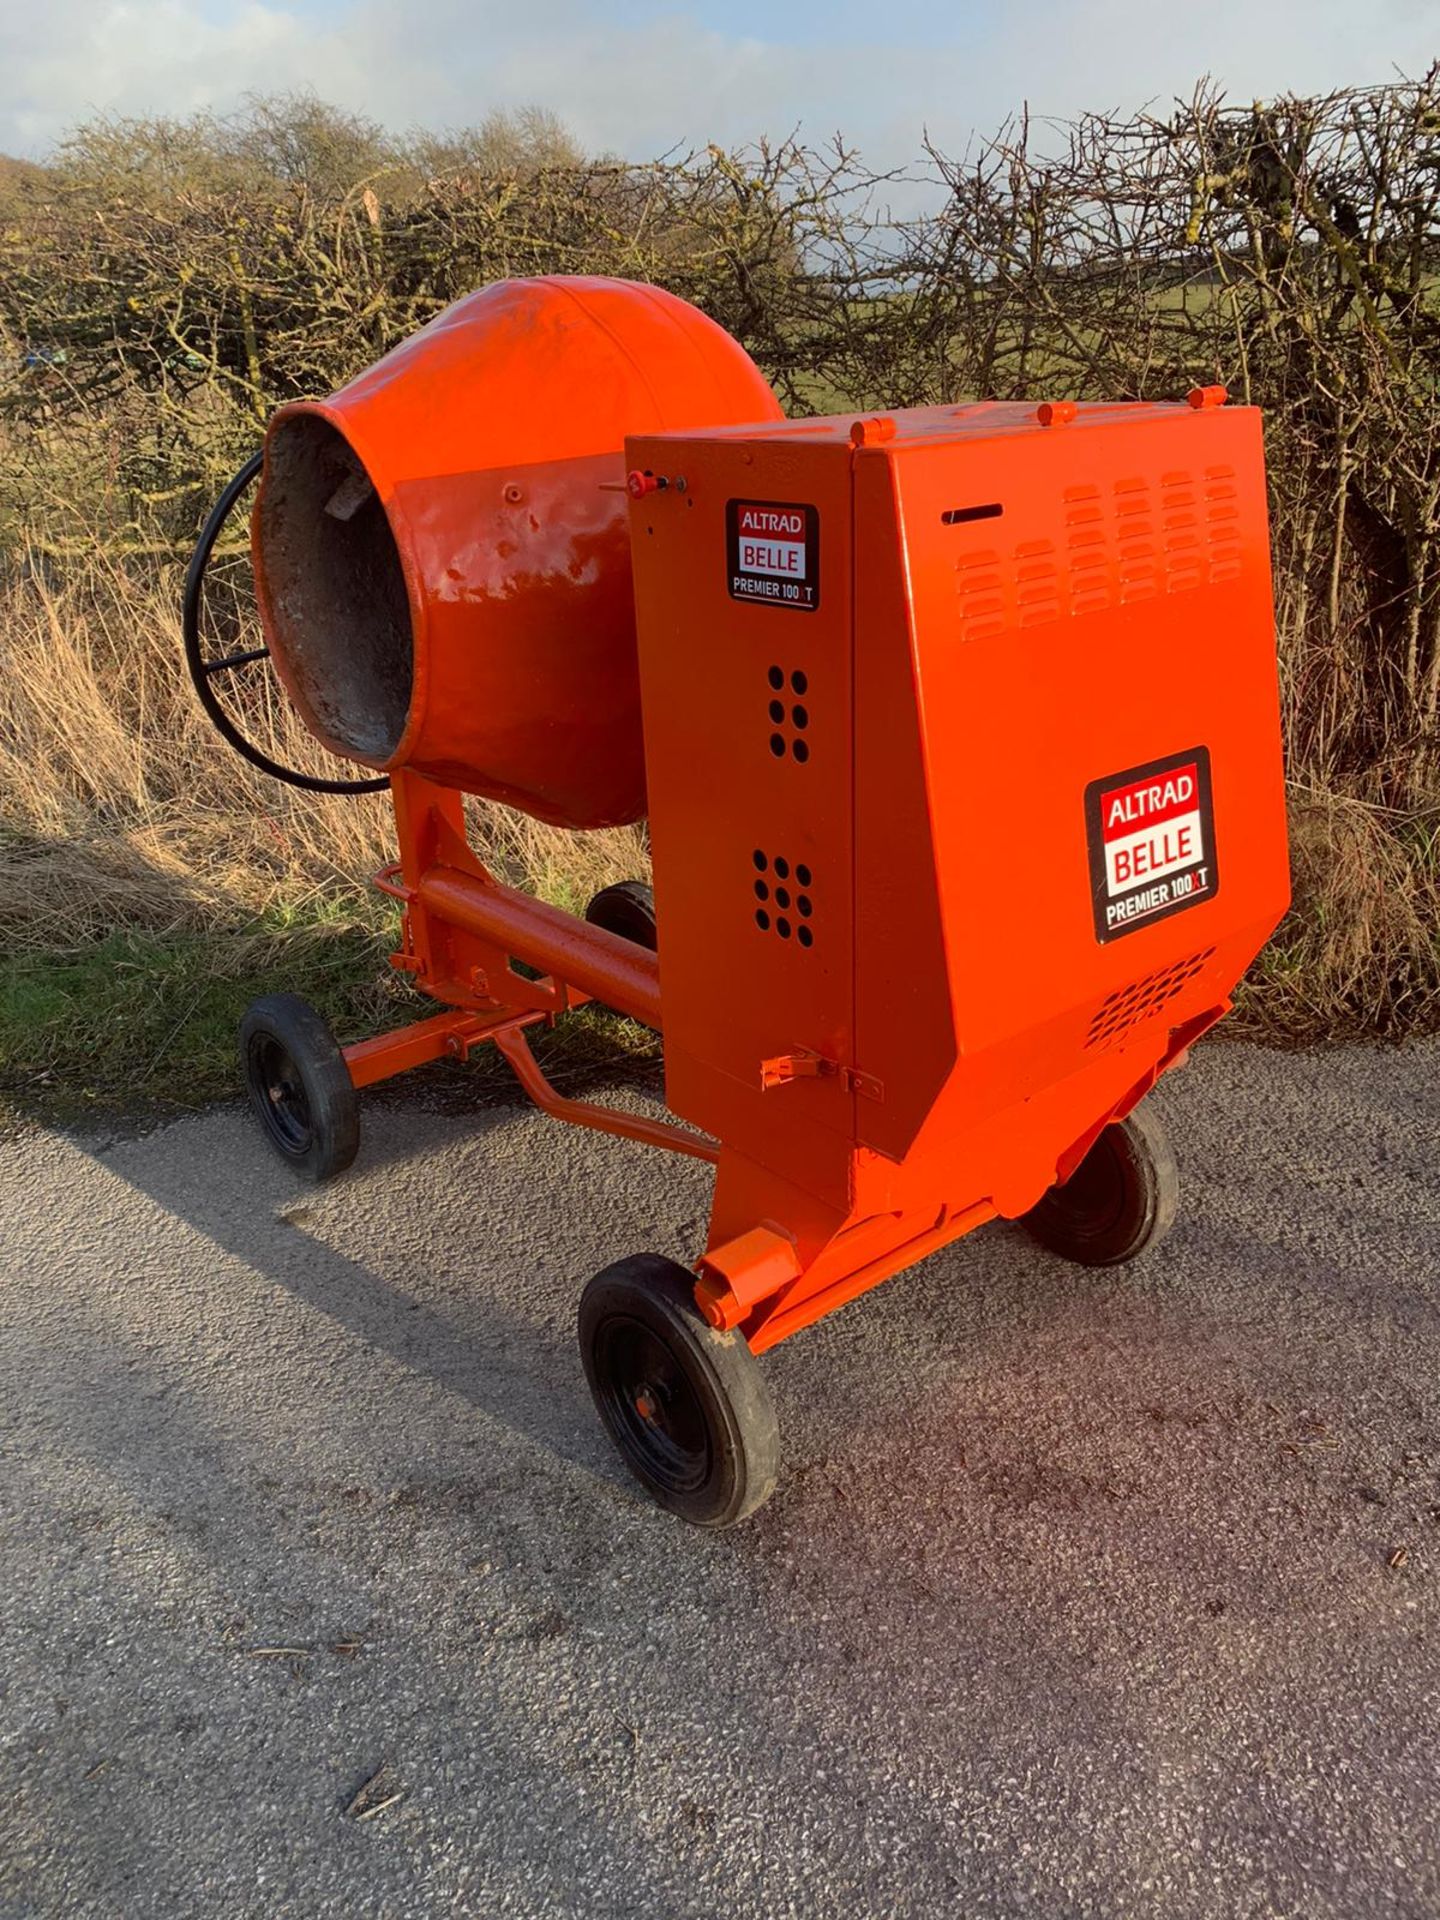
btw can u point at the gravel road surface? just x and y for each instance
(322, 1594)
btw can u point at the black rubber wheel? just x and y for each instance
(299, 1085)
(1120, 1200)
(627, 908)
(687, 1407)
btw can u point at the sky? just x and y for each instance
(639, 78)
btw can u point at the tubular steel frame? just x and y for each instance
(463, 932)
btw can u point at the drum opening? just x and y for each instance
(338, 616)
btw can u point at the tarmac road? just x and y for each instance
(1083, 1594)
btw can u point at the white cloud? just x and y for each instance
(672, 79)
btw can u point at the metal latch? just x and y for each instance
(803, 1064)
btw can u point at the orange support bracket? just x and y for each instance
(798, 1307)
(445, 1035)
(584, 1113)
(736, 1278)
(456, 1035)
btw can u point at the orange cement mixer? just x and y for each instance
(958, 735)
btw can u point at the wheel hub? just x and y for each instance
(647, 1404)
(287, 1108)
(656, 1404)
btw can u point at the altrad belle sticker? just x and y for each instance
(1151, 836)
(772, 553)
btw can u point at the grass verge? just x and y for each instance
(143, 1024)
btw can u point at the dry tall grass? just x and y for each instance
(1359, 953)
(120, 808)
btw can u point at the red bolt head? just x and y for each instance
(638, 484)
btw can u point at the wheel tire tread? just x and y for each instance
(622, 908)
(330, 1092)
(1150, 1168)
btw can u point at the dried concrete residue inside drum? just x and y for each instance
(339, 613)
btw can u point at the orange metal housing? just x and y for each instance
(441, 549)
(966, 806)
(963, 758)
